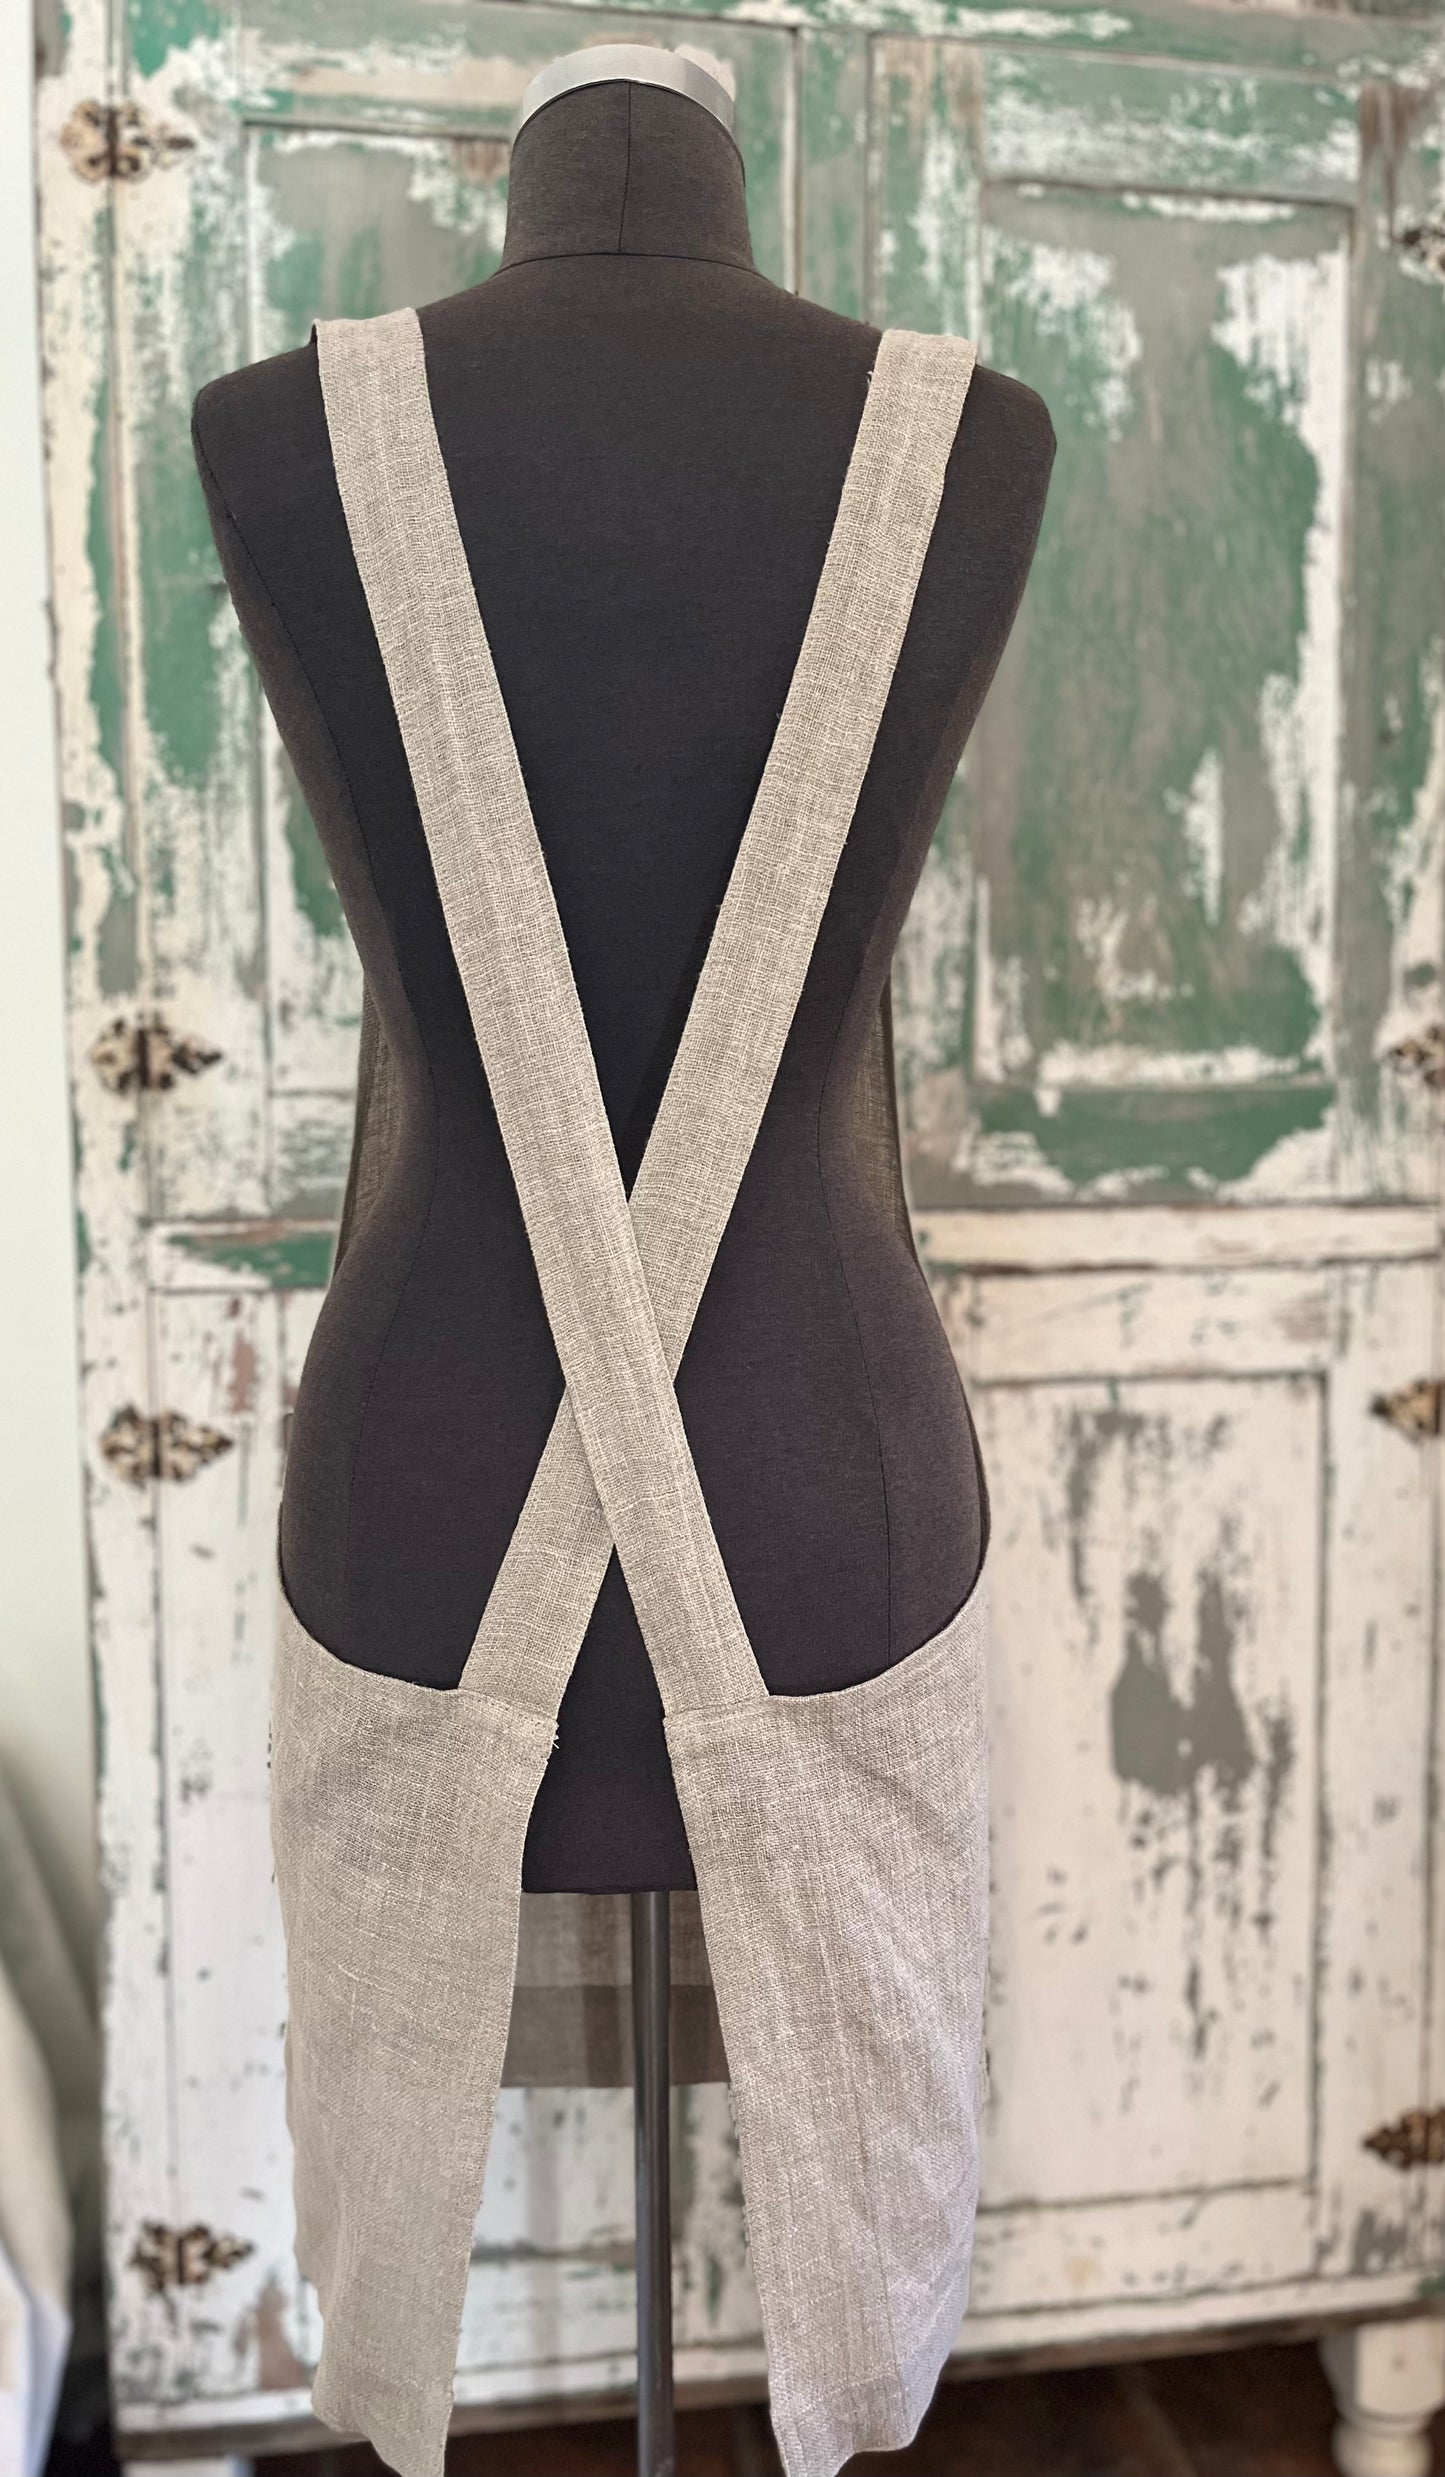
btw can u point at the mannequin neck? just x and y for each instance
(626, 170)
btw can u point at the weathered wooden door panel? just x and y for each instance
(1128, 972)
(1155, 1781)
(551, 2302)
(299, 185)
(247, 2325)
(186, 921)
(1214, 1566)
(342, 224)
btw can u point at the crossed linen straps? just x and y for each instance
(840, 1840)
(621, 1281)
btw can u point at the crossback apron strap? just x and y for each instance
(706, 1123)
(617, 1466)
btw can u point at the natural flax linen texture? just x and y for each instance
(839, 1839)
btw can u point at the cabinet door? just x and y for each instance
(1212, 1716)
(1187, 900)
(1156, 1004)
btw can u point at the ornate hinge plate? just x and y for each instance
(120, 142)
(166, 1447)
(1426, 242)
(184, 2257)
(1416, 1410)
(146, 1056)
(1416, 2139)
(1423, 1056)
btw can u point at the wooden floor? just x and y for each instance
(1259, 2412)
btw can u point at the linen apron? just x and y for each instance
(839, 1839)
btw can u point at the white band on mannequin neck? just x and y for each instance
(646, 64)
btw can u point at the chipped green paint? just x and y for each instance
(1141, 819)
(107, 695)
(1159, 1738)
(311, 881)
(356, 223)
(1164, 1143)
(1184, 129)
(158, 28)
(116, 957)
(832, 106)
(53, 30)
(1151, 795)
(179, 609)
(1379, 2243)
(1394, 758)
(462, 77)
(1345, 45)
(284, 1259)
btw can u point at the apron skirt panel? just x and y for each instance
(841, 1848)
(398, 1816)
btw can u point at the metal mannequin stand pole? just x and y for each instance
(651, 1974)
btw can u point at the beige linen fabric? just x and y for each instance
(397, 1819)
(837, 1838)
(841, 1848)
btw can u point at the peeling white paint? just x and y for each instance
(1208, 210)
(1200, 811)
(439, 183)
(1069, 295)
(930, 966)
(1101, 928)
(1386, 385)
(945, 223)
(432, 72)
(1111, 1065)
(1198, 130)
(1284, 322)
(1002, 1047)
(1414, 878)
(1057, 27)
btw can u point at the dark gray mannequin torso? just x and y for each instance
(645, 442)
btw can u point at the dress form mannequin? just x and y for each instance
(645, 442)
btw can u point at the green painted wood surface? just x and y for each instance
(1129, 971)
(1132, 965)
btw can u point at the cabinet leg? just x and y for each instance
(225, 2466)
(1388, 2379)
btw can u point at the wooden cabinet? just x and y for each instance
(1169, 1009)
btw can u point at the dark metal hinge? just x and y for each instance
(120, 142)
(146, 1056)
(1426, 241)
(166, 1447)
(1416, 1410)
(1416, 2139)
(1422, 1056)
(184, 2257)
